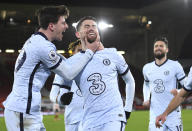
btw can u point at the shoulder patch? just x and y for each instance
(53, 56)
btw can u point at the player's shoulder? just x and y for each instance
(110, 50)
(41, 42)
(113, 53)
(174, 63)
(148, 65)
(190, 70)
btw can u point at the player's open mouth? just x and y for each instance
(158, 51)
(91, 34)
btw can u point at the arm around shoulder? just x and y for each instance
(70, 71)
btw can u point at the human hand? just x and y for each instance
(66, 98)
(160, 120)
(174, 92)
(92, 46)
(146, 104)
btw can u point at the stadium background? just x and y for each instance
(135, 24)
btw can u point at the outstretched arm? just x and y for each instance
(70, 68)
(176, 101)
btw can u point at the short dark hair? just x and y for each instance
(83, 19)
(161, 38)
(50, 14)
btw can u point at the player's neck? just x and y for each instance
(101, 47)
(160, 61)
(46, 33)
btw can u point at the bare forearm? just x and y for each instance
(176, 101)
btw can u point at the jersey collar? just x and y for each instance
(162, 63)
(43, 35)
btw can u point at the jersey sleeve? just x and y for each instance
(49, 56)
(62, 83)
(146, 88)
(122, 66)
(144, 74)
(188, 82)
(180, 74)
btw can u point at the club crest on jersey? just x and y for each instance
(53, 56)
(166, 73)
(106, 62)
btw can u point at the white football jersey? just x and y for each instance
(98, 83)
(32, 68)
(188, 83)
(74, 111)
(161, 80)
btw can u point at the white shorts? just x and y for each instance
(73, 127)
(110, 126)
(16, 121)
(176, 125)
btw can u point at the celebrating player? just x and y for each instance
(176, 101)
(33, 66)
(98, 82)
(160, 79)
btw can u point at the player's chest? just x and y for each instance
(161, 74)
(103, 65)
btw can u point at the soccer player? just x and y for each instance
(71, 96)
(98, 82)
(176, 101)
(33, 66)
(160, 79)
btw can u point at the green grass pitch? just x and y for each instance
(138, 122)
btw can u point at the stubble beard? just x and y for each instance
(92, 39)
(159, 56)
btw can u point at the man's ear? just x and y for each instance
(167, 50)
(77, 35)
(51, 27)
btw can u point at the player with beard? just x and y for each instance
(98, 82)
(177, 100)
(160, 80)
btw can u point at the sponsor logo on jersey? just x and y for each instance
(159, 86)
(98, 86)
(106, 62)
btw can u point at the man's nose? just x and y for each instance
(67, 26)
